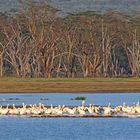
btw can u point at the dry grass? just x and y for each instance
(35, 85)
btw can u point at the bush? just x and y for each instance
(79, 98)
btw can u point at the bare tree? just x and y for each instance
(1, 60)
(17, 50)
(106, 44)
(131, 45)
(39, 20)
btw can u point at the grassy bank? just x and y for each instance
(26, 85)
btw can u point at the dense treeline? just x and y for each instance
(37, 43)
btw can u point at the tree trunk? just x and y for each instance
(1, 64)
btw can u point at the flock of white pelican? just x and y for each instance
(91, 110)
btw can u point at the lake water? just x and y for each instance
(75, 6)
(69, 129)
(27, 128)
(65, 99)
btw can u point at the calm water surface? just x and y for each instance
(27, 128)
(69, 129)
(65, 99)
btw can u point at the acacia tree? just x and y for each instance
(17, 50)
(131, 44)
(39, 20)
(37, 44)
(81, 51)
(3, 22)
(90, 49)
(1, 61)
(106, 44)
(69, 40)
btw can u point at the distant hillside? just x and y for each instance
(70, 6)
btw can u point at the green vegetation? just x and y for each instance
(79, 98)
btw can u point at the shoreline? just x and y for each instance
(76, 92)
(69, 85)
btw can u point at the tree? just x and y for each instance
(17, 49)
(106, 44)
(39, 19)
(132, 47)
(90, 49)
